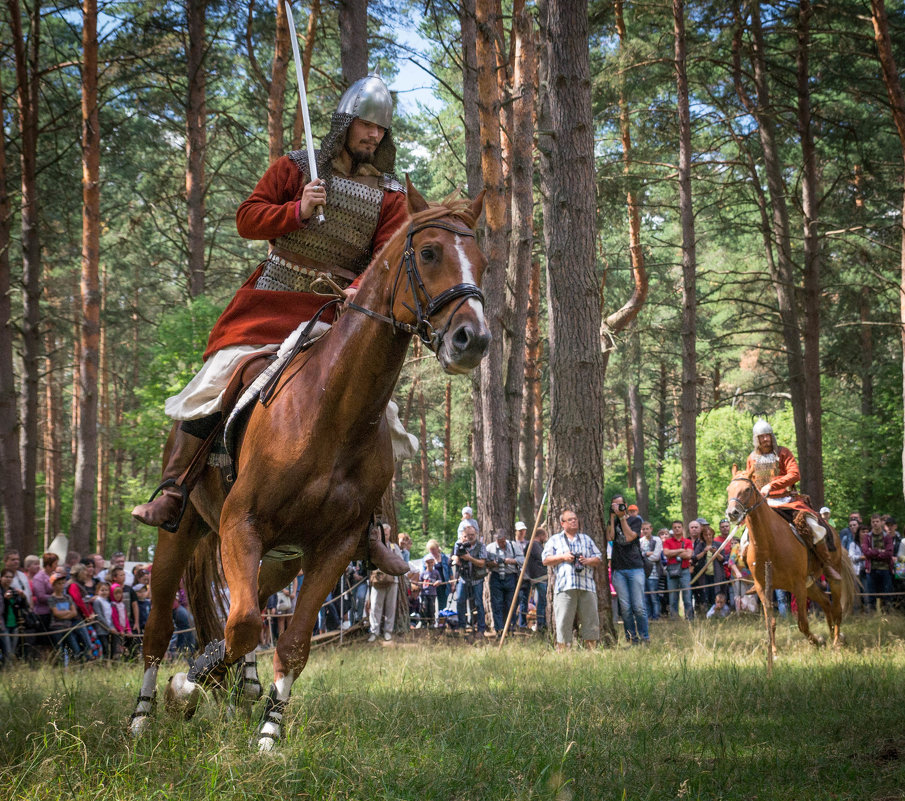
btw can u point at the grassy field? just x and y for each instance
(693, 716)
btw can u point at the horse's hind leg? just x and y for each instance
(801, 598)
(831, 610)
(173, 552)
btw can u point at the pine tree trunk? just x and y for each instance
(27, 71)
(425, 470)
(687, 430)
(621, 318)
(53, 445)
(527, 449)
(470, 98)
(353, 39)
(12, 508)
(277, 95)
(103, 438)
(298, 127)
(573, 294)
(497, 479)
(812, 265)
(522, 235)
(784, 271)
(636, 410)
(86, 460)
(196, 144)
(897, 102)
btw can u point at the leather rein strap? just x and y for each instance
(423, 329)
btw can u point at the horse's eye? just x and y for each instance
(427, 254)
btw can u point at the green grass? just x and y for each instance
(694, 716)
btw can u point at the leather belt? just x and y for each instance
(304, 263)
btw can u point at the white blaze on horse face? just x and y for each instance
(467, 270)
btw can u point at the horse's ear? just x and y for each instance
(415, 202)
(477, 205)
(734, 469)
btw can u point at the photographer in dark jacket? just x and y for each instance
(627, 566)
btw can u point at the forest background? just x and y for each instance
(693, 219)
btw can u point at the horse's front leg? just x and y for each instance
(769, 618)
(172, 554)
(322, 571)
(273, 576)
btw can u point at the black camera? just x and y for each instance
(461, 549)
(620, 507)
(576, 565)
(498, 559)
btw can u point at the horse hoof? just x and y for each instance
(819, 642)
(182, 696)
(139, 725)
(266, 744)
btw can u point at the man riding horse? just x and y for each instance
(775, 472)
(363, 205)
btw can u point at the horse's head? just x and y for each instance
(436, 291)
(743, 495)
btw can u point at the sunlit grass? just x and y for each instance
(693, 716)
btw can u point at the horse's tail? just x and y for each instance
(204, 587)
(849, 582)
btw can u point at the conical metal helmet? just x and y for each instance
(368, 99)
(762, 427)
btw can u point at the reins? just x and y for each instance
(423, 328)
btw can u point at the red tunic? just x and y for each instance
(783, 483)
(262, 316)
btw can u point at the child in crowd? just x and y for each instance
(118, 613)
(430, 580)
(720, 608)
(64, 617)
(142, 593)
(104, 613)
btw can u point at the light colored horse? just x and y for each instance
(794, 567)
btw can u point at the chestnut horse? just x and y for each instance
(315, 461)
(794, 568)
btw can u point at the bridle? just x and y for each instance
(423, 328)
(745, 510)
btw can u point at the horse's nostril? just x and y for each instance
(462, 337)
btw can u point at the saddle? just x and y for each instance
(243, 376)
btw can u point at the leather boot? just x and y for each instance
(164, 510)
(823, 555)
(382, 556)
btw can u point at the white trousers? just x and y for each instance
(383, 607)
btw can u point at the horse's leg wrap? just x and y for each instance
(210, 667)
(146, 703)
(270, 728)
(246, 685)
(249, 685)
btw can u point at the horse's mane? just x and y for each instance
(454, 205)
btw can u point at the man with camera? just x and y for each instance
(470, 559)
(628, 570)
(574, 555)
(505, 561)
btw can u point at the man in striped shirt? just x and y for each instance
(574, 556)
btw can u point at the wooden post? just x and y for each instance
(768, 608)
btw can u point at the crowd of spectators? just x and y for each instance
(83, 608)
(88, 609)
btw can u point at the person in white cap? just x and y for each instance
(467, 520)
(524, 592)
